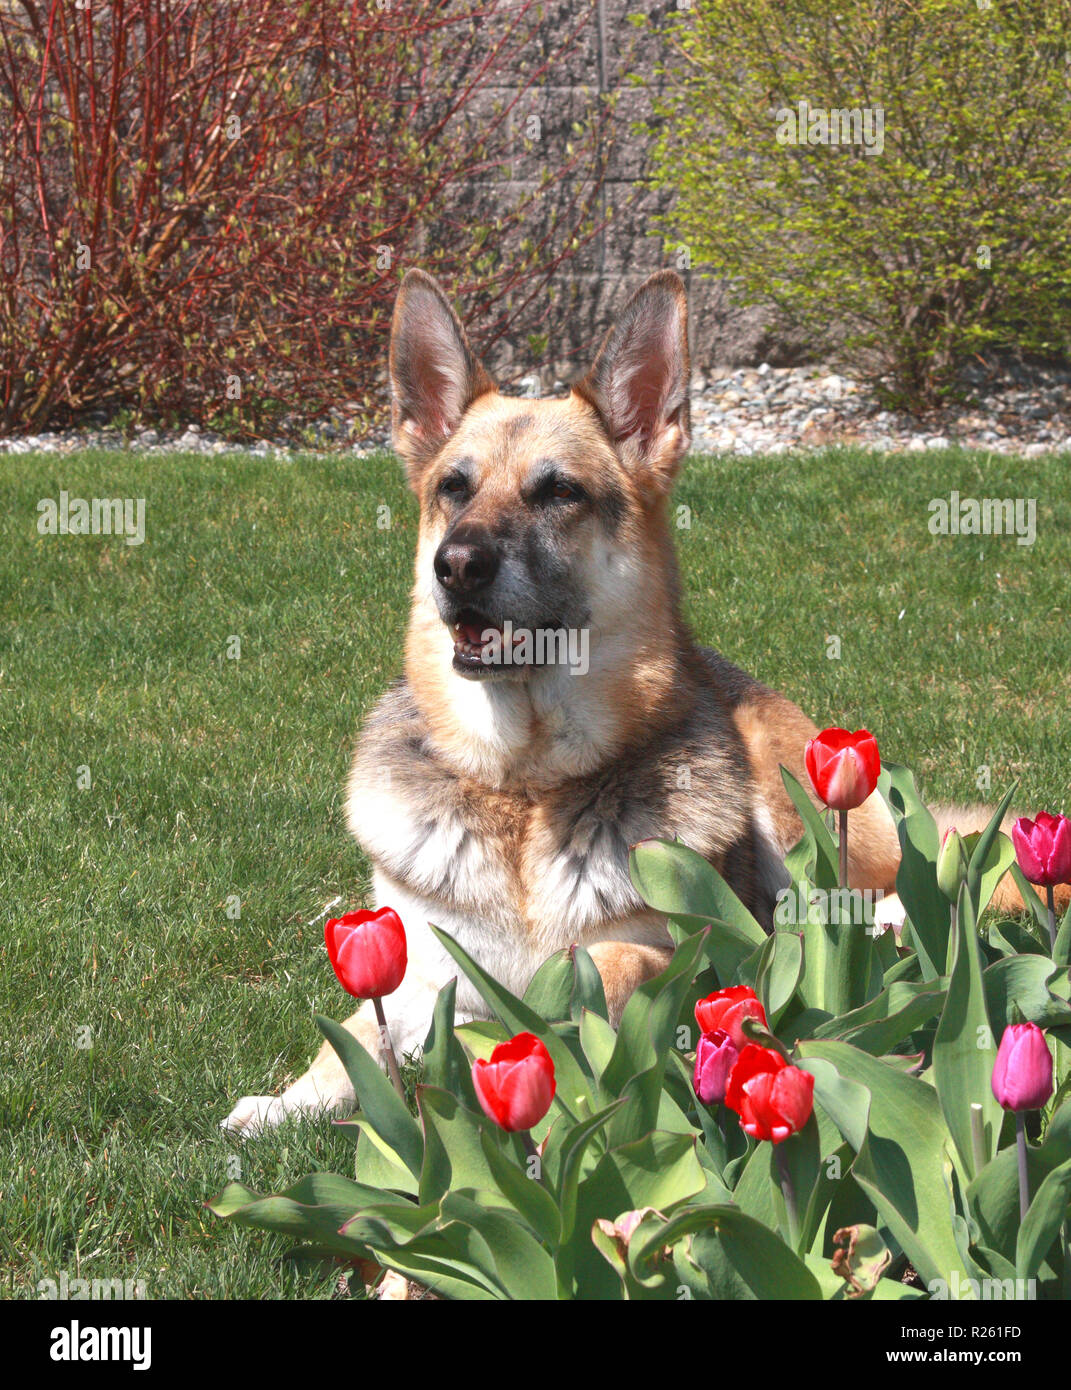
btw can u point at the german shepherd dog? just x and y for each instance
(499, 799)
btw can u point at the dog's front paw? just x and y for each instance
(253, 1114)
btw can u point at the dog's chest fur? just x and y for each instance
(548, 867)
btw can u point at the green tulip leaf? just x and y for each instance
(527, 1195)
(659, 1170)
(1061, 954)
(888, 1019)
(847, 1103)
(761, 1259)
(916, 879)
(454, 1154)
(377, 1164)
(1022, 983)
(726, 948)
(1029, 895)
(1011, 938)
(964, 1050)
(780, 968)
(992, 857)
(598, 1040)
(570, 1169)
(314, 1209)
(646, 1033)
(673, 879)
(1043, 1220)
(588, 992)
(817, 833)
(899, 1163)
(999, 859)
(380, 1103)
(550, 990)
(444, 1062)
(522, 1264)
(448, 1257)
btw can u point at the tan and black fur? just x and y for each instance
(500, 804)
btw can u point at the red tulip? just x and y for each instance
(772, 1098)
(714, 1060)
(843, 767)
(1043, 848)
(1022, 1073)
(367, 950)
(726, 1010)
(515, 1088)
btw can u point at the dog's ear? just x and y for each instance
(434, 375)
(639, 381)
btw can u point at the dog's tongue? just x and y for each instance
(473, 632)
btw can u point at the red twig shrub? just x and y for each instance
(205, 207)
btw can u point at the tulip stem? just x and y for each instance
(789, 1193)
(842, 824)
(1024, 1173)
(977, 1135)
(388, 1048)
(1050, 902)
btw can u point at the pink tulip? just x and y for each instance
(714, 1059)
(1022, 1073)
(1043, 848)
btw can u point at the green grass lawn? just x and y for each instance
(214, 779)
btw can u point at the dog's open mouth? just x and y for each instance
(478, 643)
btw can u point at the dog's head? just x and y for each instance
(538, 515)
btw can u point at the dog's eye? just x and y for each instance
(562, 491)
(453, 485)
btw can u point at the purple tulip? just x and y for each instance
(1022, 1073)
(714, 1059)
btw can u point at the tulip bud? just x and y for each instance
(843, 767)
(516, 1086)
(952, 864)
(773, 1098)
(726, 1010)
(1043, 848)
(368, 952)
(714, 1060)
(1022, 1073)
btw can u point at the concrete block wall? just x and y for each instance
(593, 285)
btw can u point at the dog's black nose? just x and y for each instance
(463, 567)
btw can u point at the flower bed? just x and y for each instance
(821, 1112)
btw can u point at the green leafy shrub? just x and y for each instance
(638, 1191)
(949, 234)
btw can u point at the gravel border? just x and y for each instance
(749, 410)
